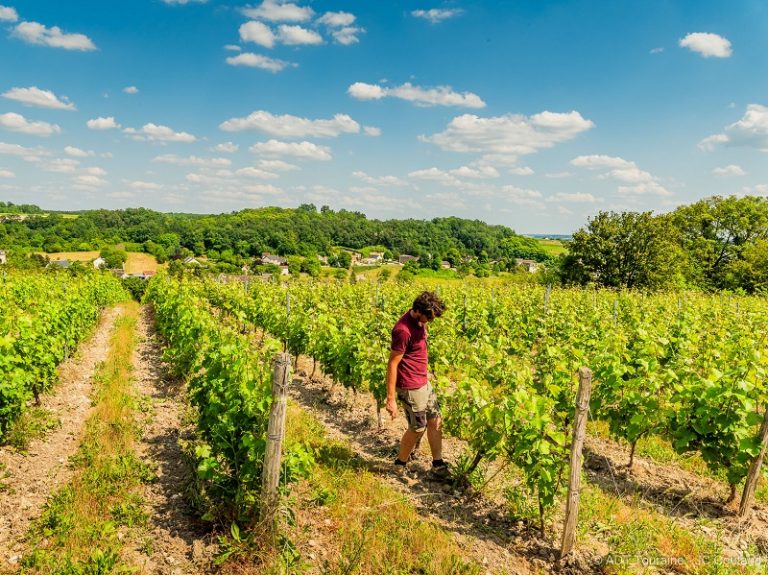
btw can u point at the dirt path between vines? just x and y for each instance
(177, 544)
(27, 479)
(480, 525)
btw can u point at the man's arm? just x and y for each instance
(394, 361)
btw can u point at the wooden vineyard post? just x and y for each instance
(574, 482)
(754, 470)
(270, 479)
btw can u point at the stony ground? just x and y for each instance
(180, 545)
(27, 479)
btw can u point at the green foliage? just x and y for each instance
(625, 250)
(505, 362)
(135, 287)
(230, 384)
(43, 318)
(114, 258)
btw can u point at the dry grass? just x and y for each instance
(136, 263)
(72, 256)
(348, 521)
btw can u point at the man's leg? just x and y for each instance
(407, 443)
(435, 437)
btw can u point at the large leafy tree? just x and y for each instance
(720, 235)
(625, 250)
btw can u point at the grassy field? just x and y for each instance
(136, 263)
(553, 247)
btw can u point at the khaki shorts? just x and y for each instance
(420, 405)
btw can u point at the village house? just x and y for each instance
(3, 258)
(529, 265)
(190, 261)
(98, 262)
(405, 258)
(267, 258)
(446, 265)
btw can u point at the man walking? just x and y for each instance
(407, 379)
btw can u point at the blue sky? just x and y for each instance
(532, 114)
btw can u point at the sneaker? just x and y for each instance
(399, 471)
(439, 473)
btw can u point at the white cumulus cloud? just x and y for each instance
(277, 166)
(258, 33)
(521, 171)
(751, 131)
(18, 123)
(233, 48)
(288, 126)
(296, 35)
(103, 123)
(348, 35)
(504, 138)
(61, 165)
(276, 11)
(258, 173)
(477, 172)
(141, 185)
(635, 180)
(729, 170)
(372, 131)
(437, 15)
(131, 90)
(226, 147)
(259, 61)
(89, 181)
(38, 98)
(6, 173)
(707, 44)
(77, 152)
(157, 133)
(8, 14)
(192, 161)
(306, 150)
(438, 96)
(574, 198)
(184, 2)
(379, 180)
(35, 33)
(30, 154)
(337, 19)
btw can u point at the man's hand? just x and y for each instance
(392, 407)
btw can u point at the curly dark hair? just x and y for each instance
(429, 304)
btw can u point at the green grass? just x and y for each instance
(34, 423)
(553, 247)
(77, 533)
(641, 540)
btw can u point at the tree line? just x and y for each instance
(715, 243)
(240, 236)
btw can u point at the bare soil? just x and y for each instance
(178, 544)
(27, 479)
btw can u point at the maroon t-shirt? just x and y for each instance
(410, 339)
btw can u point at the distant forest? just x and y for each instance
(304, 231)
